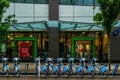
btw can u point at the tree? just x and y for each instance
(5, 22)
(109, 13)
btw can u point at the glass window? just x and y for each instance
(66, 2)
(20, 1)
(41, 1)
(78, 2)
(29, 1)
(88, 2)
(96, 3)
(12, 1)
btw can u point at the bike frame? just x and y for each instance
(48, 68)
(69, 68)
(59, 68)
(87, 69)
(16, 65)
(16, 70)
(37, 68)
(5, 65)
(103, 68)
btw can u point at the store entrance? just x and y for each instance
(83, 47)
(25, 48)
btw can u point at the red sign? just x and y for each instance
(24, 49)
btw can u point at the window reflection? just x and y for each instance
(78, 2)
(30, 1)
(66, 2)
(88, 2)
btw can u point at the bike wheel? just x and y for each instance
(104, 74)
(91, 74)
(80, 74)
(66, 74)
(57, 74)
(18, 74)
(7, 73)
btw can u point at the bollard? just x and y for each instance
(26, 69)
(115, 69)
(38, 67)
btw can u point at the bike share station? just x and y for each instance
(54, 67)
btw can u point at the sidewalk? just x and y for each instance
(31, 67)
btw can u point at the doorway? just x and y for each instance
(25, 44)
(83, 47)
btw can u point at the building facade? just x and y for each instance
(63, 28)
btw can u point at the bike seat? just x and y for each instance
(4, 59)
(16, 59)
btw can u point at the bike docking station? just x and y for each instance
(85, 67)
(49, 67)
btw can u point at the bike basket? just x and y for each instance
(90, 69)
(66, 68)
(103, 69)
(44, 68)
(79, 69)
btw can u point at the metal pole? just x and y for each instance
(26, 69)
(39, 67)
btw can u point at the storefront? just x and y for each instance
(89, 37)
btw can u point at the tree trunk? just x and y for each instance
(108, 49)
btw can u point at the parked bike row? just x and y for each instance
(5, 67)
(51, 68)
(55, 67)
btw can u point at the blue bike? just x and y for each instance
(68, 70)
(16, 70)
(79, 69)
(59, 70)
(103, 70)
(5, 68)
(48, 69)
(88, 69)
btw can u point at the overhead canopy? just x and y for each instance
(29, 26)
(62, 25)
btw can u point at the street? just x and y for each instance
(60, 78)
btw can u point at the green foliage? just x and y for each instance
(98, 18)
(110, 11)
(5, 23)
(4, 4)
